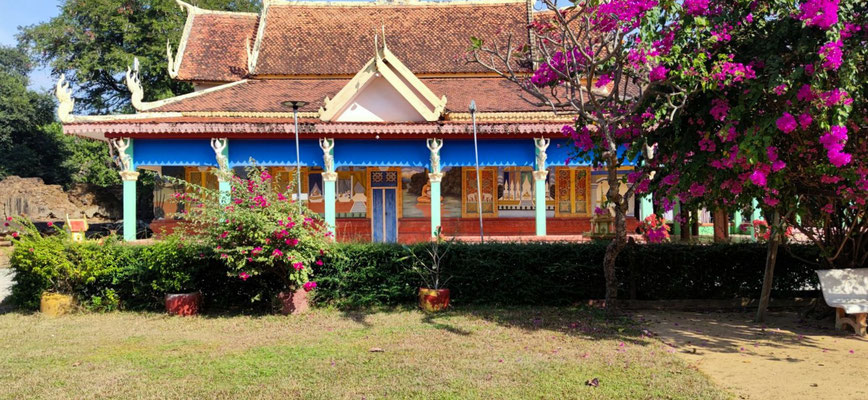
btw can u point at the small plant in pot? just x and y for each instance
(258, 231)
(433, 296)
(44, 258)
(176, 280)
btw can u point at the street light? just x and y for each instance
(296, 104)
(478, 178)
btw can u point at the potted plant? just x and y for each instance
(175, 280)
(654, 229)
(433, 296)
(258, 231)
(44, 258)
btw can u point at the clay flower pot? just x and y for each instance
(183, 304)
(433, 300)
(56, 304)
(294, 302)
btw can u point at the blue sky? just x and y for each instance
(15, 13)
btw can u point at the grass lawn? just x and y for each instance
(488, 353)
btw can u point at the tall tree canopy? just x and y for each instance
(94, 41)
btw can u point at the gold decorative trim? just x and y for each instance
(513, 116)
(247, 114)
(390, 3)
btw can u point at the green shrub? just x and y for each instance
(113, 275)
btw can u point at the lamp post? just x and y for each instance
(478, 177)
(296, 104)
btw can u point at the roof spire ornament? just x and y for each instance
(174, 65)
(65, 100)
(135, 85)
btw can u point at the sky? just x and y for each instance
(15, 13)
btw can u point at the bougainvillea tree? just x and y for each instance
(782, 120)
(609, 65)
(257, 229)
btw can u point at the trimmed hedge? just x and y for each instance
(137, 277)
(564, 273)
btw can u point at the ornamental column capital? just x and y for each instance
(330, 176)
(129, 176)
(540, 175)
(435, 177)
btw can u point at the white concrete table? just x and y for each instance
(847, 291)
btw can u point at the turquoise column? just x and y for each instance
(329, 179)
(539, 177)
(434, 180)
(646, 206)
(755, 215)
(676, 226)
(222, 153)
(129, 176)
(737, 220)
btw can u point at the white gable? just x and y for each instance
(378, 101)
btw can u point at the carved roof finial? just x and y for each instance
(64, 99)
(135, 85)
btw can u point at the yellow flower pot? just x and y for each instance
(55, 304)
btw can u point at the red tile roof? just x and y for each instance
(491, 95)
(304, 39)
(215, 48)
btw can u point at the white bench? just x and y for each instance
(847, 291)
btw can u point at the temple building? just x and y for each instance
(385, 131)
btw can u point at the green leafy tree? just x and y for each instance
(94, 41)
(24, 149)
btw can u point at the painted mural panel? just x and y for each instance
(416, 193)
(515, 192)
(165, 193)
(351, 191)
(471, 196)
(573, 191)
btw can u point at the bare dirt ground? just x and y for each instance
(781, 359)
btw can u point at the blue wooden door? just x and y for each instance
(384, 205)
(384, 221)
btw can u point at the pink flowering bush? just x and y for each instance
(654, 229)
(258, 230)
(795, 134)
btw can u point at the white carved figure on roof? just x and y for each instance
(124, 160)
(219, 145)
(64, 99)
(435, 145)
(328, 158)
(541, 145)
(135, 85)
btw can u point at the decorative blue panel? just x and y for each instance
(377, 233)
(384, 179)
(273, 152)
(391, 215)
(174, 152)
(560, 149)
(381, 153)
(497, 152)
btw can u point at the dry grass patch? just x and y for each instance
(466, 353)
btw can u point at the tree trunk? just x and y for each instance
(771, 258)
(721, 226)
(617, 245)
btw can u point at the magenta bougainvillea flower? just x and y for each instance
(787, 123)
(820, 13)
(298, 266)
(758, 178)
(243, 275)
(308, 286)
(832, 55)
(658, 73)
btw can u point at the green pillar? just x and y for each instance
(222, 153)
(755, 215)
(329, 179)
(539, 178)
(129, 176)
(646, 207)
(676, 226)
(434, 180)
(737, 220)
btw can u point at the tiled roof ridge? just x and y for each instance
(191, 9)
(391, 4)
